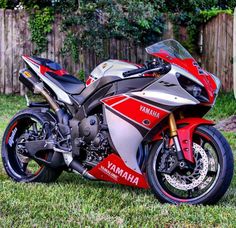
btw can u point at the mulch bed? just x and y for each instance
(228, 124)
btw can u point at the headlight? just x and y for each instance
(193, 88)
(197, 91)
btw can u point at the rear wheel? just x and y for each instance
(28, 124)
(206, 181)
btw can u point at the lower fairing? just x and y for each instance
(113, 169)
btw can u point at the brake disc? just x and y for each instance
(191, 179)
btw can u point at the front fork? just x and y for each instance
(183, 137)
(174, 136)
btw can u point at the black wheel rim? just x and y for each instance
(173, 191)
(20, 166)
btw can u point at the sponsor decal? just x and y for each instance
(122, 173)
(27, 74)
(11, 138)
(156, 75)
(149, 111)
(104, 65)
(108, 173)
(167, 84)
(199, 69)
(146, 122)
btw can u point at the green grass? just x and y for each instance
(73, 201)
(225, 106)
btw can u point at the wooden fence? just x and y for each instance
(15, 41)
(217, 56)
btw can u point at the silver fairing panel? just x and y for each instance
(168, 91)
(112, 67)
(126, 139)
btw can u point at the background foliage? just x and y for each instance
(40, 25)
(139, 21)
(3, 3)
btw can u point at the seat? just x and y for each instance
(48, 63)
(69, 83)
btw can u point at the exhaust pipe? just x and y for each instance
(33, 83)
(78, 167)
(75, 165)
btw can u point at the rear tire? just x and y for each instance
(12, 163)
(216, 189)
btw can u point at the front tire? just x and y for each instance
(178, 189)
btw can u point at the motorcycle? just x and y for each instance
(136, 125)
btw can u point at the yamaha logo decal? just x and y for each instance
(149, 111)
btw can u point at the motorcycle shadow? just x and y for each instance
(73, 179)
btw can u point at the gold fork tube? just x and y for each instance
(172, 124)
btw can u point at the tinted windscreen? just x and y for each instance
(170, 47)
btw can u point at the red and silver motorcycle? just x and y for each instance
(137, 125)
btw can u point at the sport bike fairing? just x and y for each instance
(132, 116)
(129, 120)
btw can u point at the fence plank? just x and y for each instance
(2, 50)
(8, 52)
(217, 49)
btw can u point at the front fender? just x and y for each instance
(185, 131)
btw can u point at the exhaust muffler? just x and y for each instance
(33, 83)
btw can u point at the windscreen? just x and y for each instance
(169, 48)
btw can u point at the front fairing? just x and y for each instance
(172, 52)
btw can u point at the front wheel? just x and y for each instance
(205, 183)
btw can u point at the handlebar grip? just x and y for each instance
(135, 71)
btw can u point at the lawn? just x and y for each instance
(73, 201)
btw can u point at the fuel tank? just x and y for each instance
(112, 67)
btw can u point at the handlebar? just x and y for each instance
(135, 71)
(161, 69)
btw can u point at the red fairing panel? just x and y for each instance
(44, 69)
(185, 135)
(89, 81)
(110, 101)
(113, 169)
(140, 112)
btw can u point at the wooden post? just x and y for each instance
(2, 50)
(234, 52)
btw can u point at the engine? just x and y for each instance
(93, 140)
